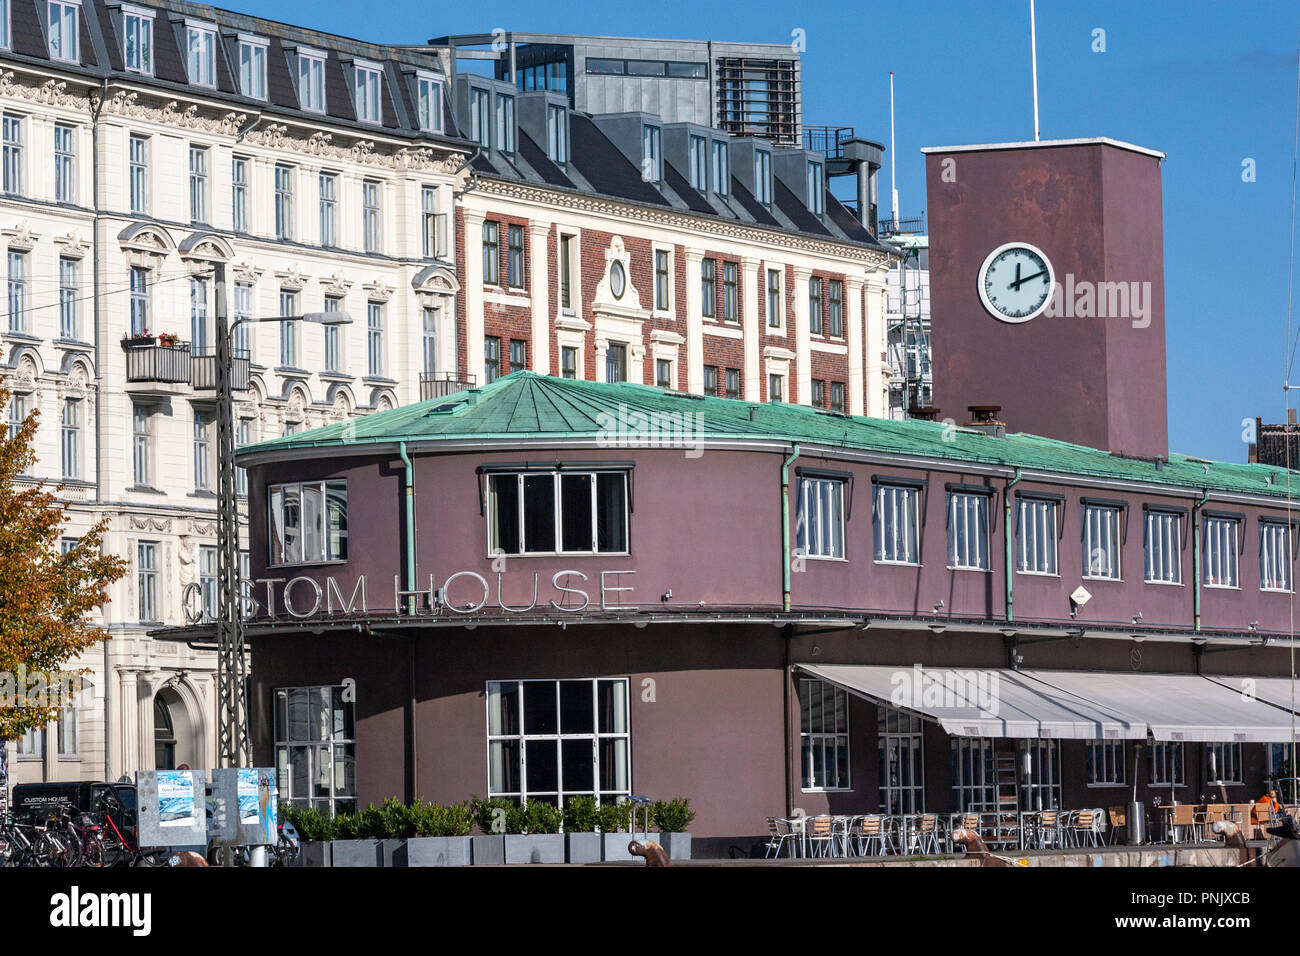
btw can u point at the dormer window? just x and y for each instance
(201, 43)
(763, 176)
(557, 134)
(366, 92)
(816, 188)
(505, 119)
(64, 34)
(428, 102)
(699, 161)
(311, 80)
(480, 129)
(252, 66)
(652, 157)
(721, 167)
(137, 40)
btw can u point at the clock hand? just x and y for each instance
(1016, 284)
(1019, 281)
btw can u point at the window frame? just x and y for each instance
(372, 216)
(65, 163)
(1215, 527)
(200, 204)
(368, 82)
(201, 29)
(314, 746)
(515, 258)
(556, 474)
(73, 6)
(909, 489)
(329, 555)
(708, 288)
(1119, 510)
(429, 117)
(1094, 757)
(810, 736)
(1043, 506)
(492, 258)
(254, 44)
(1151, 517)
(1271, 527)
(839, 485)
(14, 152)
(138, 173)
(309, 68)
(144, 18)
(503, 122)
(984, 532)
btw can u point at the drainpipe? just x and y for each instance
(785, 527)
(1196, 559)
(410, 526)
(787, 637)
(1006, 537)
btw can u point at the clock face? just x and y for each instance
(617, 280)
(1015, 282)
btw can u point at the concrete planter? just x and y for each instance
(676, 845)
(366, 853)
(534, 847)
(487, 850)
(435, 851)
(583, 847)
(313, 853)
(616, 845)
(390, 851)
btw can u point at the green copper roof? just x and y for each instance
(525, 405)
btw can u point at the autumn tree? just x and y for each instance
(46, 597)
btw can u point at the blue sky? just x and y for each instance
(1210, 84)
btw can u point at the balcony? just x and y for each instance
(901, 227)
(204, 369)
(828, 140)
(442, 384)
(147, 361)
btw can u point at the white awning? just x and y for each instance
(1072, 705)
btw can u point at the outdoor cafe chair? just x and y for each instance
(821, 836)
(1118, 820)
(1047, 829)
(927, 833)
(869, 833)
(778, 833)
(1182, 819)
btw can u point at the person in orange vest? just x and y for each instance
(1265, 809)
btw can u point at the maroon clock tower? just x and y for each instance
(1065, 327)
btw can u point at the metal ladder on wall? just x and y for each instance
(1007, 832)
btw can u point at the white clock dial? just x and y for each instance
(1015, 282)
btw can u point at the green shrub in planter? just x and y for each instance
(347, 826)
(312, 825)
(392, 821)
(581, 815)
(613, 817)
(538, 817)
(432, 820)
(486, 813)
(672, 816)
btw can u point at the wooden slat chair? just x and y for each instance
(777, 836)
(869, 835)
(927, 833)
(1085, 827)
(1118, 819)
(1047, 829)
(821, 838)
(1184, 819)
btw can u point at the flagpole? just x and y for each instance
(1033, 53)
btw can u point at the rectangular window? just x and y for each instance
(569, 361)
(139, 300)
(329, 209)
(283, 201)
(1165, 763)
(1105, 762)
(699, 163)
(1163, 547)
(65, 163)
(366, 79)
(974, 775)
(316, 748)
(1274, 556)
(491, 253)
(896, 524)
(371, 219)
(208, 582)
(652, 159)
(1101, 534)
(515, 257)
(816, 188)
(774, 311)
(241, 337)
(13, 154)
(17, 412)
(1219, 552)
(775, 388)
(198, 184)
(566, 272)
(243, 436)
(433, 228)
(71, 434)
(730, 305)
(429, 337)
(288, 330)
(375, 337)
(311, 81)
(480, 129)
(309, 522)
(137, 40)
(616, 362)
(17, 291)
(66, 728)
(661, 280)
(1223, 764)
(142, 445)
(146, 580)
(710, 380)
(968, 531)
(1036, 531)
(505, 119)
(518, 355)
(333, 338)
(252, 67)
(763, 176)
(663, 373)
(819, 524)
(708, 288)
(835, 312)
(31, 745)
(202, 48)
(139, 173)
(901, 746)
(549, 740)
(491, 358)
(198, 314)
(64, 35)
(721, 168)
(557, 134)
(815, 305)
(69, 326)
(566, 512)
(239, 193)
(428, 103)
(203, 451)
(733, 383)
(838, 393)
(818, 393)
(823, 736)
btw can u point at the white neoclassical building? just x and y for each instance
(141, 144)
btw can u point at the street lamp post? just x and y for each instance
(232, 671)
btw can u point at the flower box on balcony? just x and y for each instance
(138, 341)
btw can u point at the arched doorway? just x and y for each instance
(175, 735)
